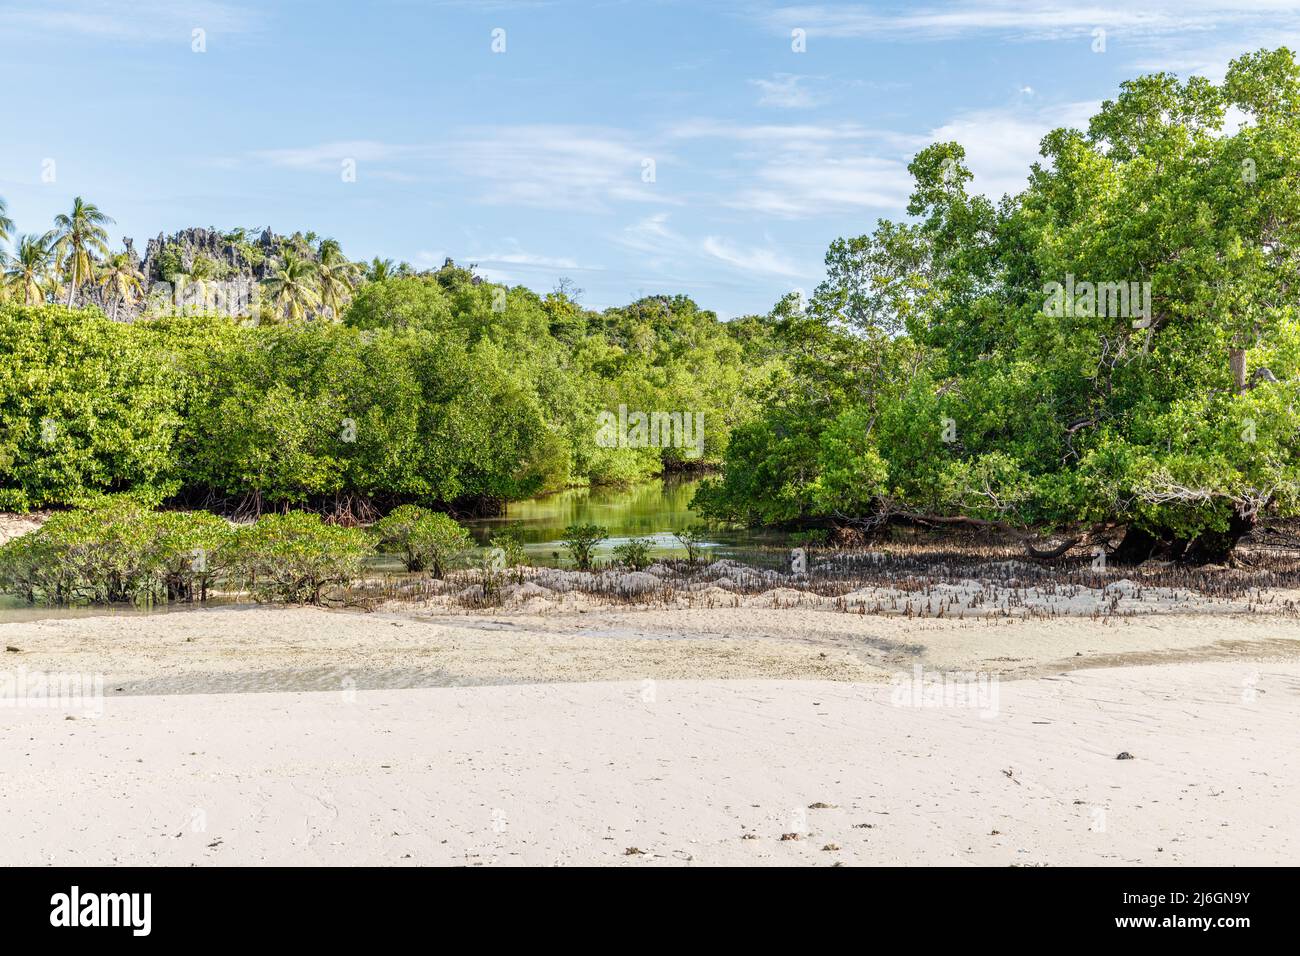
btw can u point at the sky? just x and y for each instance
(713, 149)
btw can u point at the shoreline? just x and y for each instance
(233, 648)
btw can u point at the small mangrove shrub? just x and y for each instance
(116, 550)
(634, 553)
(581, 541)
(692, 539)
(425, 540)
(296, 557)
(509, 542)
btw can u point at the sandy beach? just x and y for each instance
(690, 772)
(613, 735)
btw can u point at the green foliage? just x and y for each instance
(434, 389)
(510, 541)
(117, 550)
(941, 370)
(580, 540)
(425, 540)
(296, 557)
(86, 405)
(170, 263)
(813, 538)
(634, 553)
(692, 539)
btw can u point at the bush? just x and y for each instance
(295, 556)
(117, 550)
(692, 540)
(581, 540)
(510, 542)
(192, 549)
(635, 553)
(425, 539)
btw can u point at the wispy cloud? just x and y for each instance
(1002, 143)
(1027, 19)
(155, 21)
(785, 90)
(560, 167)
(545, 166)
(662, 247)
(798, 171)
(767, 132)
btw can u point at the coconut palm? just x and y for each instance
(78, 235)
(202, 271)
(28, 270)
(292, 287)
(380, 269)
(335, 276)
(6, 224)
(121, 280)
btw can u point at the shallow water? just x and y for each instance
(651, 509)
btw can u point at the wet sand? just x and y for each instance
(248, 648)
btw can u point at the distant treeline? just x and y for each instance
(435, 388)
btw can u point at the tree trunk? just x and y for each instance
(72, 286)
(1137, 546)
(1216, 547)
(1237, 363)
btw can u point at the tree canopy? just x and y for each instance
(1116, 343)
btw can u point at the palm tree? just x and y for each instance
(380, 269)
(202, 271)
(28, 269)
(121, 280)
(78, 235)
(336, 277)
(6, 224)
(292, 287)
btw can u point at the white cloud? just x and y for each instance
(767, 132)
(808, 170)
(547, 166)
(1001, 144)
(785, 90)
(662, 246)
(329, 156)
(559, 167)
(529, 260)
(159, 21)
(1026, 19)
(755, 259)
(799, 186)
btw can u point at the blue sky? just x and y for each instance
(533, 162)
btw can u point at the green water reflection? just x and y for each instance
(651, 509)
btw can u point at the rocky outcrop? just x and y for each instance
(240, 258)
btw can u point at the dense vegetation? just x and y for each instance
(959, 367)
(434, 388)
(1113, 349)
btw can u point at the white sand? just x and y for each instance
(578, 773)
(691, 729)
